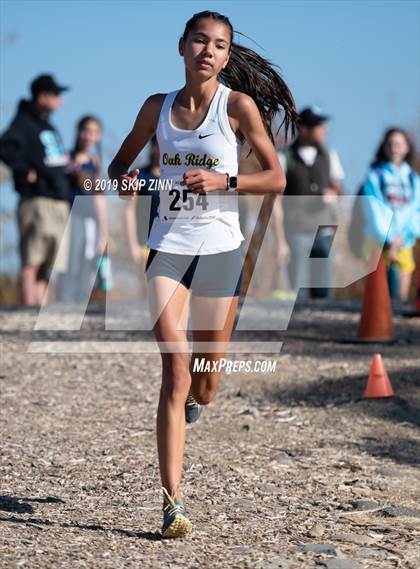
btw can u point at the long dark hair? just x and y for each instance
(255, 76)
(79, 127)
(381, 155)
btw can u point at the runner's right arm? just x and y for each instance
(130, 217)
(143, 129)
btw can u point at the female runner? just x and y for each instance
(231, 94)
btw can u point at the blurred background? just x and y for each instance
(357, 61)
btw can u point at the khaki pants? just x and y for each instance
(43, 239)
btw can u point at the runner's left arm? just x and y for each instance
(246, 122)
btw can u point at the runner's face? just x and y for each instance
(396, 148)
(206, 49)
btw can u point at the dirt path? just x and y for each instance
(291, 469)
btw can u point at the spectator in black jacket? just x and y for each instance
(33, 149)
(313, 171)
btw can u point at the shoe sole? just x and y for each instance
(190, 420)
(180, 527)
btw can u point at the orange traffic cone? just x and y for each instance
(376, 319)
(378, 384)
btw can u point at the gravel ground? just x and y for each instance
(286, 470)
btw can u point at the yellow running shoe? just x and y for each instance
(175, 521)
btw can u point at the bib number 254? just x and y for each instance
(187, 200)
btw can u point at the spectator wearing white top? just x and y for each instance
(312, 169)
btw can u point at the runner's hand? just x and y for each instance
(130, 184)
(204, 181)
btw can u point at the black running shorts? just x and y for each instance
(219, 274)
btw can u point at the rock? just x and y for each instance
(339, 564)
(358, 538)
(130, 533)
(397, 511)
(252, 411)
(279, 563)
(317, 530)
(370, 552)
(242, 549)
(325, 548)
(353, 465)
(345, 506)
(362, 491)
(269, 488)
(244, 504)
(282, 459)
(390, 471)
(365, 505)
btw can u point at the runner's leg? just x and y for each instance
(176, 378)
(212, 319)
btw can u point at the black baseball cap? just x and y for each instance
(312, 116)
(47, 84)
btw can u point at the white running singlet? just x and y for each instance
(190, 223)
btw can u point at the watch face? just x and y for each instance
(233, 182)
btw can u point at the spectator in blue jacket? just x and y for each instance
(394, 182)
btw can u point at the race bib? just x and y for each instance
(177, 203)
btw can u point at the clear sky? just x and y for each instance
(358, 60)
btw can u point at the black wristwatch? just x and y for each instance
(232, 183)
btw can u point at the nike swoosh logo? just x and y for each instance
(206, 135)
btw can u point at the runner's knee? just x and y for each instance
(176, 376)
